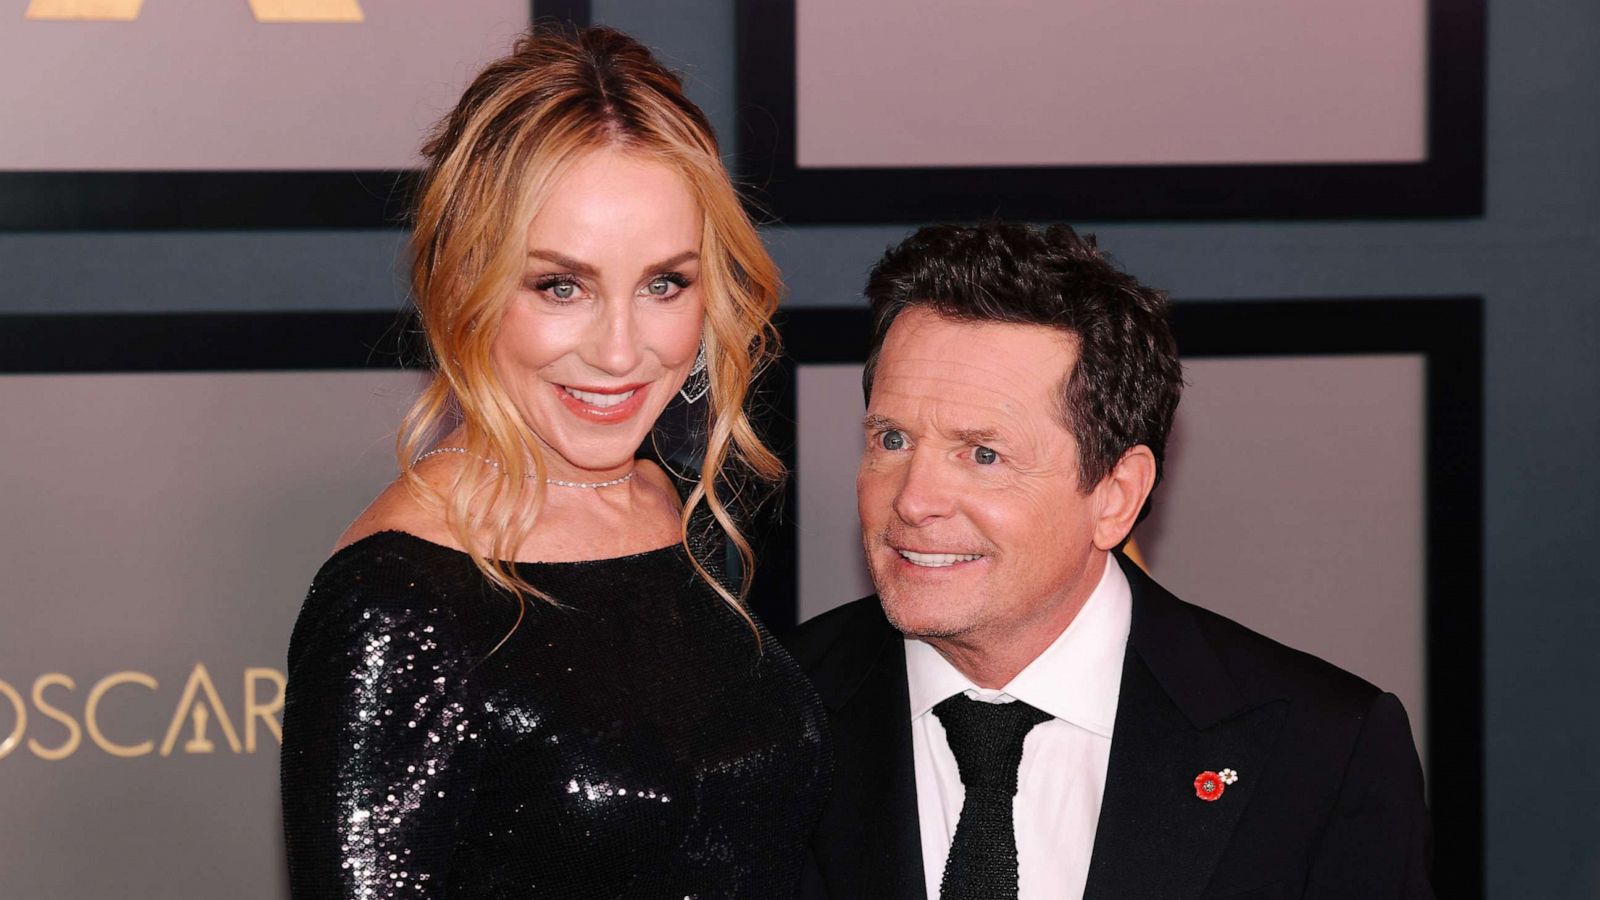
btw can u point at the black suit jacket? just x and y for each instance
(1328, 804)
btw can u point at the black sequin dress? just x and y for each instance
(631, 743)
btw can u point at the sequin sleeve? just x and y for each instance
(379, 748)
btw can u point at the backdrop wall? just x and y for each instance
(1534, 256)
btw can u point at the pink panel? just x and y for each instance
(154, 522)
(200, 84)
(1086, 82)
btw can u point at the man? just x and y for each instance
(1020, 708)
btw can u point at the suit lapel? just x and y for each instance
(868, 843)
(1178, 714)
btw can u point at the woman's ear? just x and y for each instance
(1121, 494)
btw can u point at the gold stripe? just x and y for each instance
(307, 10)
(85, 10)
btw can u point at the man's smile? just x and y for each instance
(937, 560)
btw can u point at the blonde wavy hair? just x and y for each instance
(492, 162)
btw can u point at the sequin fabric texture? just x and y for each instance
(631, 743)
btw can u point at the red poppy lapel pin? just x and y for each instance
(1208, 785)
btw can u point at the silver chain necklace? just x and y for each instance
(555, 481)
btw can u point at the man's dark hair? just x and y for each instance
(1123, 390)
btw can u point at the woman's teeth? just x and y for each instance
(600, 400)
(938, 559)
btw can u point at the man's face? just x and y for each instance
(974, 526)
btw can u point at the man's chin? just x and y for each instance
(918, 619)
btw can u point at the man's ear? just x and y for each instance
(1121, 494)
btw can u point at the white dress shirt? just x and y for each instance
(1063, 772)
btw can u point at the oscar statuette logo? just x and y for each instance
(200, 716)
(316, 11)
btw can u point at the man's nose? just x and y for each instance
(613, 345)
(926, 493)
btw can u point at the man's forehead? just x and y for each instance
(975, 382)
(1005, 355)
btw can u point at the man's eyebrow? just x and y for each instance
(975, 435)
(578, 267)
(876, 422)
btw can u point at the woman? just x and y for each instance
(519, 675)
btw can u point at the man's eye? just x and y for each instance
(983, 456)
(892, 440)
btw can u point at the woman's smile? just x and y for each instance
(608, 406)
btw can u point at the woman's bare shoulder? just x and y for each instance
(397, 508)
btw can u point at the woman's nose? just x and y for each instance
(614, 345)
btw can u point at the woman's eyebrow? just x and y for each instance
(566, 262)
(578, 267)
(672, 262)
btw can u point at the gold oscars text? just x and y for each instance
(55, 718)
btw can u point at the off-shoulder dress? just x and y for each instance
(634, 741)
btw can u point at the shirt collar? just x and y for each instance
(1077, 678)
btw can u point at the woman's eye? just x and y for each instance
(663, 287)
(559, 289)
(983, 456)
(892, 440)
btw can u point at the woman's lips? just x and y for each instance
(606, 406)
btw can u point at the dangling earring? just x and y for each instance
(699, 380)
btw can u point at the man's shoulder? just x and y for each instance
(1262, 667)
(840, 627)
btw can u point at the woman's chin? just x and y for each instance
(595, 457)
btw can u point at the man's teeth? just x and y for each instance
(601, 400)
(938, 559)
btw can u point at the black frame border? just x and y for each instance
(1448, 183)
(32, 344)
(1448, 333)
(148, 200)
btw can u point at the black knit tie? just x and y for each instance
(986, 739)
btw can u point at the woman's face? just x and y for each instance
(605, 324)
